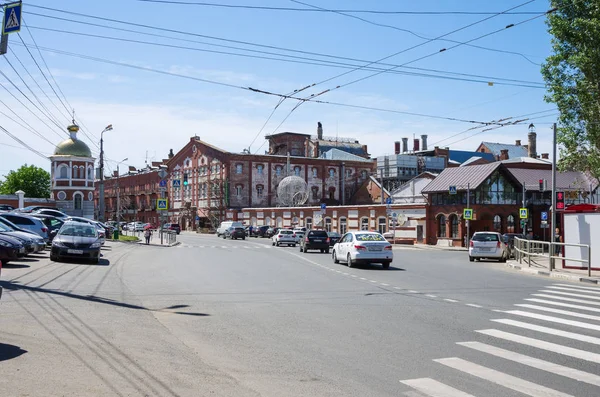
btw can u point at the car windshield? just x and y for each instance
(285, 232)
(78, 230)
(4, 228)
(333, 234)
(369, 237)
(317, 233)
(239, 229)
(485, 237)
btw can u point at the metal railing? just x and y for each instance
(526, 249)
(168, 237)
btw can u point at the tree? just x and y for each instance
(572, 74)
(34, 181)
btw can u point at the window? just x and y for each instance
(239, 168)
(363, 174)
(315, 192)
(90, 173)
(331, 173)
(75, 172)
(348, 173)
(328, 224)
(315, 172)
(278, 170)
(381, 227)
(308, 222)
(498, 224)
(348, 193)
(343, 225)
(510, 224)
(297, 171)
(259, 190)
(238, 190)
(454, 224)
(442, 226)
(63, 173)
(77, 199)
(332, 193)
(82, 172)
(259, 169)
(364, 224)
(62, 195)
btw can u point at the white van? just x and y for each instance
(226, 225)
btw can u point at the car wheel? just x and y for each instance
(273, 243)
(349, 262)
(301, 249)
(471, 259)
(243, 238)
(326, 250)
(277, 243)
(53, 258)
(386, 265)
(335, 258)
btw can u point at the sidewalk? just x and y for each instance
(426, 247)
(540, 266)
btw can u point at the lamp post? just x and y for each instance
(101, 205)
(118, 195)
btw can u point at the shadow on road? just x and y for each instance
(15, 266)
(8, 352)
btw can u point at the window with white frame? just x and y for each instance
(382, 226)
(308, 222)
(331, 173)
(364, 224)
(348, 173)
(259, 169)
(328, 224)
(78, 201)
(63, 172)
(90, 173)
(239, 168)
(315, 172)
(343, 225)
(75, 172)
(259, 190)
(278, 170)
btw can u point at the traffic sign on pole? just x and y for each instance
(162, 183)
(523, 213)
(468, 214)
(452, 190)
(162, 204)
(544, 216)
(176, 182)
(162, 173)
(11, 23)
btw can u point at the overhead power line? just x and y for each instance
(22, 143)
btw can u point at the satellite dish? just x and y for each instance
(292, 191)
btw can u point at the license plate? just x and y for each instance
(485, 249)
(375, 248)
(77, 252)
(318, 241)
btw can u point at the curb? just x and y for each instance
(547, 273)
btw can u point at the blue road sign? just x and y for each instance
(323, 206)
(468, 214)
(162, 204)
(523, 213)
(544, 216)
(162, 183)
(176, 182)
(389, 200)
(452, 189)
(11, 22)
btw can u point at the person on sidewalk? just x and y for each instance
(147, 235)
(558, 239)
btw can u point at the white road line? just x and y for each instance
(412, 291)
(500, 378)
(346, 274)
(572, 373)
(558, 311)
(597, 292)
(570, 294)
(431, 296)
(362, 278)
(567, 299)
(450, 300)
(473, 305)
(353, 275)
(433, 388)
(397, 288)
(373, 281)
(413, 393)
(540, 344)
(550, 331)
(558, 320)
(384, 284)
(580, 307)
(578, 287)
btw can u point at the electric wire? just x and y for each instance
(22, 143)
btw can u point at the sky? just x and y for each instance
(169, 72)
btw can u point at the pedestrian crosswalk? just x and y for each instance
(547, 346)
(227, 247)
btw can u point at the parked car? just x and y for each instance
(234, 233)
(51, 223)
(509, 240)
(334, 237)
(10, 249)
(32, 208)
(32, 242)
(299, 233)
(174, 227)
(487, 245)
(226, 225)
(27, 222)
(99, 227)
(272, 231)
(315, 240)
(260, 231)
(363, 247)
(55, 213)
(13, 227)
(76, 240)
(6, 207)
(135, 226)
(285, 236)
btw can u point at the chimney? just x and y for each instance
(532, 138)
(423, 142)
(319, 130)
(545, 156)
(416, 145)
(171, 153)
(397, 147)
(518, 142)
(404, 145)
(115, 174)
(503, 154)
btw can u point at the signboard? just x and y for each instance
(452, 190)
(162, 189)
(388, 201)
(11, 23)
(323, 208)
(162, 173)
(523, 213)
(468, 214)
(544, 216)
(162, 183)
(162, 204)
(176, 182)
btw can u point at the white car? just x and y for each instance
(299, 234)
(285, 236)
(135, 226)
(488, 245)
(363, 247)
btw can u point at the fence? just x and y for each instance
(168, 237)
(526, 249)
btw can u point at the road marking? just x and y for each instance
(413, 393)
(433, 388)
(580, 307)
(412, 291)
(558, 320)
(574, 289)
(550, 331)
(384, 284)
(571, 294)
(572, 373)
(431, 296)
(450, 300)
(500, 378)
(558, 311)
(473, 305)
(353, 275)
(578, 287)
(373, 281)
(567, 299)
(346, 274)
(362, 278)
(540, 344)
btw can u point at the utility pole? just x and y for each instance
(553, 219)
(468, 241)
(382, 192)
(524, 228)
(119, 195)
(343, 176)
(101, 204)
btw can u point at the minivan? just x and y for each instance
(226, 225)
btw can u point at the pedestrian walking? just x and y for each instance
(558, 239)
(147, 235)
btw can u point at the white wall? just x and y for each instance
(582, 229)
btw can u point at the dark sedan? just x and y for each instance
(10, 249)
(272, 231)
(32, 242)
(76, 240)
(333, 238)
(234, 233)
(315, 240)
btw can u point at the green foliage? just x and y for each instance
(128, 238)
(34, 181)
(572, 74)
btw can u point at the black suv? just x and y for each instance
(315, 240)
(260, 231)
(234, 233)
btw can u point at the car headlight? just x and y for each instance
(57, 243)
(97, 244)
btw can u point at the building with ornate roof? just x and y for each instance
(72, 176)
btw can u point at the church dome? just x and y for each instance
(73, 146)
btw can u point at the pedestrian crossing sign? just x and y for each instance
(523, 213)
(468, 214)
(11, 22)
(162, 204)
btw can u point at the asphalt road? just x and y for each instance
(215, 317)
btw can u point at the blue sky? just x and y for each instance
(152, 112)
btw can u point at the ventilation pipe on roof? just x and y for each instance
(397, 147)
(423, 142)
(415, 145)
(532, 138)
(319, 130)
(404, 145)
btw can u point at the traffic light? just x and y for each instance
(542, 187)
(560, 201)
(185, 179)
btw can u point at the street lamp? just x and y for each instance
(101, 187)
(118, 195)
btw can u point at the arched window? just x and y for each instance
(331, 173)
(498, 224)
(81, 172)
(279, 222)
(63, 172)
(328, 224)
(77, 201)
(381, 225)
(259, 169)
(510, 224)
(364, 224)
(442, 226)
(314, 172)
(75, 172)
(268, 221)
(343, 225)
(90, 173)
(454, 226)
(315, 192)
(278, 170)
(308, 222)
(332, 193)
